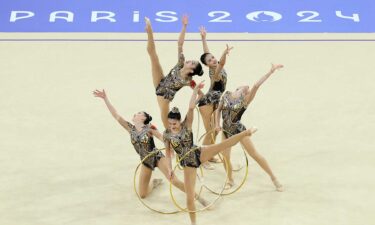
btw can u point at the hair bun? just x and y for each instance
(174, 114)
(148, 118)
(175, 110)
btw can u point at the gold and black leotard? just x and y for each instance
(182, 143)
(217, 88)
(173, 82)
(232, 110)
(144, 144)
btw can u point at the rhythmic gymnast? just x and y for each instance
(179, 137)
(179, 76)
(232, 106)
(209, 102)
(141, 136)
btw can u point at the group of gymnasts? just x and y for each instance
(178, 134)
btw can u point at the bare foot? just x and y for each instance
(229, 184)
(237, 167)
(278, 185)
(203, 201)
(208, 166)
(148, 23)
(214, 160)
(251, 131)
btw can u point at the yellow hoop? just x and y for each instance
(200, 191)
(135, 188)
(199, 122)
(226, 166)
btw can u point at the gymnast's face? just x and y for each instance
(174, 125)
(139, 117)
(240, 91)
(191, 64)
(210, 60)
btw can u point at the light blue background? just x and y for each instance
(197, 10)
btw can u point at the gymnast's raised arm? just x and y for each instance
(112, 110)
(251, 94)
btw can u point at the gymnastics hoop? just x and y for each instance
(226, 166)
(135, 188)
(199, 122)
(197, 210)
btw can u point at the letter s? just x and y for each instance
(163, 14)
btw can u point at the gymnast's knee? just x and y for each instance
(142, 194)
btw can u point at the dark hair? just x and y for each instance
(203, 58)
(198, 70)
(174, 114)
(148, 118)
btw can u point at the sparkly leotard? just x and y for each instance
(183, 143)
(232, 110)
(217, 88)
(144, 144)
(173, 82)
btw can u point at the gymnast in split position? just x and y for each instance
(179, 137)
(178, 77)
(141, 136)
(232, 106)
(209, 102)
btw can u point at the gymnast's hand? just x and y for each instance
(226, 52)
(203, 32)
(275, 67)
(185, 20)
(200, 85)
(100, 94)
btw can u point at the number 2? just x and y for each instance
(220, 19)
(310, 16)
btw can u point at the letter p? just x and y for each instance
(18, 15)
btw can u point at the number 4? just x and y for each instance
(354, 17)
